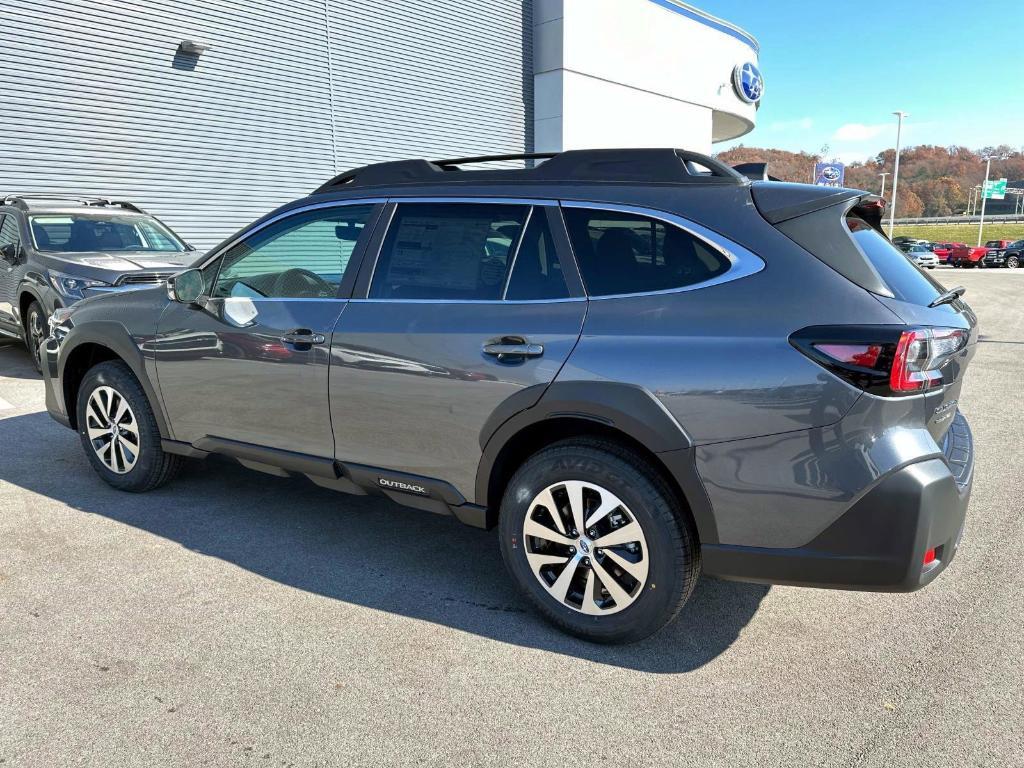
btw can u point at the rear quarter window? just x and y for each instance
(906, 281)
(623, 253)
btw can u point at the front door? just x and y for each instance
(469, 305)
(252, 365)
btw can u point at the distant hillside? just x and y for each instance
(934, 181)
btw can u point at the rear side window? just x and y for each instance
(448, 251)
(621, 253)
(537, 273)
(906, 281)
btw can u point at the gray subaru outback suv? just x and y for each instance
(637, 364)
(56, 250)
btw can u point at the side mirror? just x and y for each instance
(10, 252)
(186, 287)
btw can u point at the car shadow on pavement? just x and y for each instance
(362, 550)
(15, 362)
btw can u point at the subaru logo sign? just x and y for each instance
(747, 80)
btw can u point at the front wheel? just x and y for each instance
(1012, 262)
(119, 431)
(35, 333)
(598, 541)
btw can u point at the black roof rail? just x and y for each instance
(21, 200)
(644, 166)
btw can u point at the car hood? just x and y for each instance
(127, 261)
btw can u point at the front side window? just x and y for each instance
(621, 253)
(304, 256)
(9, 231)
(448, 251)
(82, 233)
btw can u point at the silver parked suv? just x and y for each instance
(637, 364)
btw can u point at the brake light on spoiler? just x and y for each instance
(883, 360)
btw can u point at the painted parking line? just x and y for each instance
(4, 405)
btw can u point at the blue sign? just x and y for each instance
(829, 174)
(747, 80)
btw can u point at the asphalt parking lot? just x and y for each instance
(233, 618)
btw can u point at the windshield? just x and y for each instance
(76, 233)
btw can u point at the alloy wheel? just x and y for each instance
(36, 335)
(1013, 262)
(112, 429)
(585, 547)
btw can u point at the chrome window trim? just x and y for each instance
(743, 262)
(284, 215)
(552, 202)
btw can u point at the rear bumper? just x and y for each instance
(879, 544)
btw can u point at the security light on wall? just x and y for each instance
(195, 47)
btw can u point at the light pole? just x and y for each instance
(988, 167)
(883, 175)
(896, 170)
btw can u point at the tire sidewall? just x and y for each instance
(666, 580)
(118, 377)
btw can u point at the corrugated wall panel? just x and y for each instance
(95, 99)
(431, 79)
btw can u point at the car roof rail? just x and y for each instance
(639, 166)
(22, 200)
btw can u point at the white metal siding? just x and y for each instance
(95, 100)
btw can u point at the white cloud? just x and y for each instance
(859, 132)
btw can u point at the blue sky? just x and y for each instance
(835, 71)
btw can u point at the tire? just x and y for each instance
(35, 333)
(1012, 262)
(134, 461)
(665, 555)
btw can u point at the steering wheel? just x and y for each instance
(299, 283)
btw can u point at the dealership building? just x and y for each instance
(209, 113)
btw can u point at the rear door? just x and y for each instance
(251, 366)
(469, 304)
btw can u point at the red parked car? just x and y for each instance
(967, 255)
(944, 250)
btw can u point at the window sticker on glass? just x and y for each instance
(426, 248)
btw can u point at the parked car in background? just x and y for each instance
(610, 357)
(922, 256)
(943, 250)
(1015, 254)
(995, 253)
(967, 255)
(56, 250)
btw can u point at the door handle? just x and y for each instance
(303, 339)
(511, 348)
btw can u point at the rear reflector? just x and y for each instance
(929, 556)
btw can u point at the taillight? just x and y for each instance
(884, 360)
(920, 354)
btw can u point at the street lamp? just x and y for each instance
(883, 175)
(988, 167)
(896, 170)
